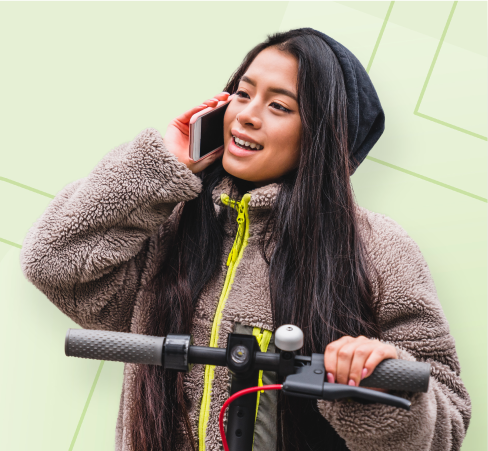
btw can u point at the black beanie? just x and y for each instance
(365, 116)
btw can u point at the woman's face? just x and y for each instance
(264, 111)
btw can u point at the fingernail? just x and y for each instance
(363, 374)
(330, 378)
(352, 383)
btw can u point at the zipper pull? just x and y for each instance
(224, 198)
(240, 213)
(241, 208)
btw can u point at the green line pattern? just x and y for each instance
(446, 124)
(424, 87)
(428, 179)
(379, 37)
(10, 243)
(21, 185)
(87, 403)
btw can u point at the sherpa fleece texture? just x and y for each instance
(94, 247)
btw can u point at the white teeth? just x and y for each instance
(247, 143)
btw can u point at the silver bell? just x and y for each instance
(289, 338)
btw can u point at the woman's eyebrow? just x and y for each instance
(276, 90)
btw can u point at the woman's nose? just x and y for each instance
(249, 117)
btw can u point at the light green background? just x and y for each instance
(78, 79)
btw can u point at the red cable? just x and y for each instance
(233, 398)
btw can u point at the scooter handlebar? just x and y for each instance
(115, 346)
(396, 374)
(391, 374)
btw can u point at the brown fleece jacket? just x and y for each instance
(94, 247)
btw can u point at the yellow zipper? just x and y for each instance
(263, 336)
(233, 260)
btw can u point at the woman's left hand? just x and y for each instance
(348, 360)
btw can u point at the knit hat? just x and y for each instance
(366, 118)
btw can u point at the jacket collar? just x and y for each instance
(261, 198)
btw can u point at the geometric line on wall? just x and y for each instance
(426, 82)
(428, 179)
(11, 243)
(459, 129)
(21, 185)
(378, 40)
(87, 403)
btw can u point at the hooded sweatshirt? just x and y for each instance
(94, 248)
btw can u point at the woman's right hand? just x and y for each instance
(177, 137)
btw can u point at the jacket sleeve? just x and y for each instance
(88, 250)
(412, 320)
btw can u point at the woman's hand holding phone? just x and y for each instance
(177, 137)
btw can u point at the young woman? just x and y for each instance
(263, 234)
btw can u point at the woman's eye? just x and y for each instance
(281, 107)
(275, 105)
(241, 92)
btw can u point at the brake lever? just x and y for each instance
(308, 382)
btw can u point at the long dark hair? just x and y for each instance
(319, 273)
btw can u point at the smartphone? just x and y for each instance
(207, 131)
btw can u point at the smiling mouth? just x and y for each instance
(238, 142)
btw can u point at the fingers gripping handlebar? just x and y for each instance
(304, 375)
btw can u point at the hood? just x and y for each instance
(366, 118)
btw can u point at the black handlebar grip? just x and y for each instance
(115, 346)
(396, 374)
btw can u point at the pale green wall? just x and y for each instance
(78, 79)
